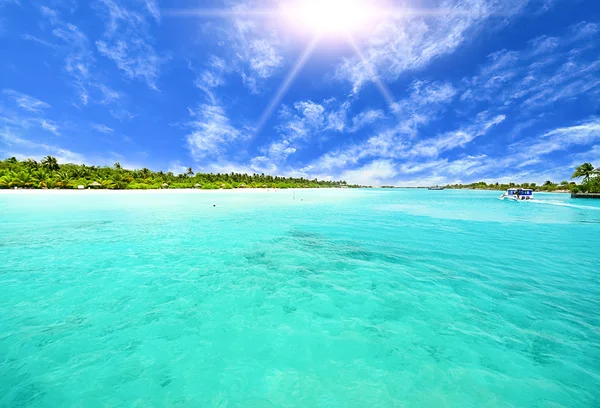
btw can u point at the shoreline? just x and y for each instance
(157, 190)
(234, 190)
(535, 192)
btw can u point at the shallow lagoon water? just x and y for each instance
(339, 298)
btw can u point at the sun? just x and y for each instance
(330, 17)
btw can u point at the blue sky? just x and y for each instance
(445, 91)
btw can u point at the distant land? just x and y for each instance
(589, 187)
(49, 174)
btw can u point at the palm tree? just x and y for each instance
(50, 162)
(42, 176)
(22, 179)
(32, 164)
(118, 166)
(81, 172)
(5, 180)
(64, 179)
(189, 172)
(107, 183)
(145, 173)
(585, 171)
(120, 181)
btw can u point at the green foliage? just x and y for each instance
(590, 184)
(585, 171)
(50, 163)
(50, 174)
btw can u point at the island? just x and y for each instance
(589, 187)
(49, 174)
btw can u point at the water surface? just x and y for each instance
(337, 298)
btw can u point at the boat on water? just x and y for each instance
(435, 188)
(517, 194)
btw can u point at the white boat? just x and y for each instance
(517, 194)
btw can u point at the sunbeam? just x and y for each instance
(345, 19)
(285, 85)
(383, 89)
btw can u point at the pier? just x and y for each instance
(585, 195)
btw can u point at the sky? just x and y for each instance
(404, 93)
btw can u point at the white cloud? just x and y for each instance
(550, 69)
(544, 44)
(37, 40)
(106, 94)
(426, 94)
(392, 143)
(559, 139)
(376, 173)
(23, 148)
(336, 119)
(412, 42)
(121, 114)
(308, 119)
(264, 59)
(423, 105)
(26, 102)
(584, 30)
(212, 77)
(212, 132)
(32, 119)
(177, 168)
(591, 155)
(457, 138)
(153, 9)
(79, 59)
(517, 163)
(279, 151)
(262, 164)
(253, 51)
(49, 126)
(7, 2)
(102, 128)
(366, 118)
(128, 43)
(418, 167)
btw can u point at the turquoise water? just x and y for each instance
(339, 298)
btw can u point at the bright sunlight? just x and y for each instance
(331, 17)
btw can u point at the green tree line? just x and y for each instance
(590, 183)
(49, 174)
(591, 179)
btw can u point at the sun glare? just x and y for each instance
(331, 17)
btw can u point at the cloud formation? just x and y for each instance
(128, 43)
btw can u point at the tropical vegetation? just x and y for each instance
(49, 173)
(590, 183)
(547, 186)
(591, 179)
